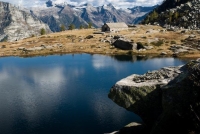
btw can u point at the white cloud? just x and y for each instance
(117, 3)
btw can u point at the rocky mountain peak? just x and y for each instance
(109, 7)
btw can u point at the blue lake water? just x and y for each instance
(67, 94)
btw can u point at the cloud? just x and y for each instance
(116, 3)
(101, 62)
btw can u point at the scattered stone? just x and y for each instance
(163, 53)
(89, 37)
(141, 50)
(49, 47)
(44, 46)
(29, 49)
(134, 46)
(20, 48)
(148, 47)
(38, 48)
(192, 36)
(59, 45)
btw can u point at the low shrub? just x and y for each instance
(158, 43)
(139, 45)
(130, 52)
(173, 42)
(3, 46)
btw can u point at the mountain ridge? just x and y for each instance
(86, 13)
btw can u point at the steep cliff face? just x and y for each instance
(167, 100)
(16, 24)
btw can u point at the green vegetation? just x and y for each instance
(42, 31)
(71, 27)
(62, 27)
(161, 16)
(90, 25)
(5, 39)
(81, 27)
(157, 43)
(3, 46)
(173, 42)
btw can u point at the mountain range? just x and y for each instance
(18, 22)
(65, 14)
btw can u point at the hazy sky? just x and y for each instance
(117, 3)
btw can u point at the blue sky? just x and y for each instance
(117, 3)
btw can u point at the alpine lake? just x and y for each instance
(67, 94)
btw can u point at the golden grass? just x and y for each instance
(74, 42)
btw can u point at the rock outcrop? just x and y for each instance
(16, 24)
(176, 14)
(123, 44)
(168, 100)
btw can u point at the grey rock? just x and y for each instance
(192, 36)
(89, 37)
(148, 47)
(163, 53)
(29, 49)
(181, 50)
(134, 46)
(166, 97)
(48, 47)
(20, 48)
(38, 48)
(123, 44)
(17, 24)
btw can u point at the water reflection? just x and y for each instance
(29, 93)
(131, 58)
(65, 94)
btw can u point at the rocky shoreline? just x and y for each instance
(167, 100)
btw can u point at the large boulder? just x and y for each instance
(123, 44)
(167, 100)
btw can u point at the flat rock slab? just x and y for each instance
(160, 77)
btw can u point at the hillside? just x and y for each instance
(143, 40)
(176, 14)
